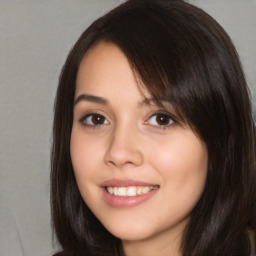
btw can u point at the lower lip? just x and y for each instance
(122, 201)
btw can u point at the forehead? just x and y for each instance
(105, 72)
(105, 66)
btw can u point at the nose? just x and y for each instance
(123, 148)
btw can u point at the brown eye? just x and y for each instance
(97, 119)
(162, 120)
(94, 120)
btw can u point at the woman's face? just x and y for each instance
(139, 170)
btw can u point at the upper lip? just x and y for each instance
(124, 183)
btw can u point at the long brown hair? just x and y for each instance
(183, 55)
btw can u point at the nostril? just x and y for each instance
(111, 163)
(119, 164)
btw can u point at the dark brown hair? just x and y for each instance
(183, 55)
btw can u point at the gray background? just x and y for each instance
(35, 37)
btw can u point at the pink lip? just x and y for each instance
(118, 201)
(124, 183)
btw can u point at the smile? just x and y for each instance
(130, 190)
(126, 192)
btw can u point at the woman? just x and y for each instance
(154, 141)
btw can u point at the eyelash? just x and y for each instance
(162, 117)
(165, 117)
(91, 125)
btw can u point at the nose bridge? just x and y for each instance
(123, 146)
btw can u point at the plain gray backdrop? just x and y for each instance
(35, 38)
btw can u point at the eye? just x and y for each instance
(160, 119)
(92, 120)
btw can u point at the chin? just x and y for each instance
(130, 232)
(132, 235)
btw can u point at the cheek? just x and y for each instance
(79, 152)
(85, 156)
(183, 164)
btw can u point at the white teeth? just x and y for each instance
(121, 191)
(130, 191)
(111, 190)
(115, 191)
(145, 190)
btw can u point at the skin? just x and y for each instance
(133, 139)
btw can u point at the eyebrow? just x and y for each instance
(96, 99)
(91, 98)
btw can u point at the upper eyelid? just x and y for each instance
(164, 112)
(88, 112)
(86, 115)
